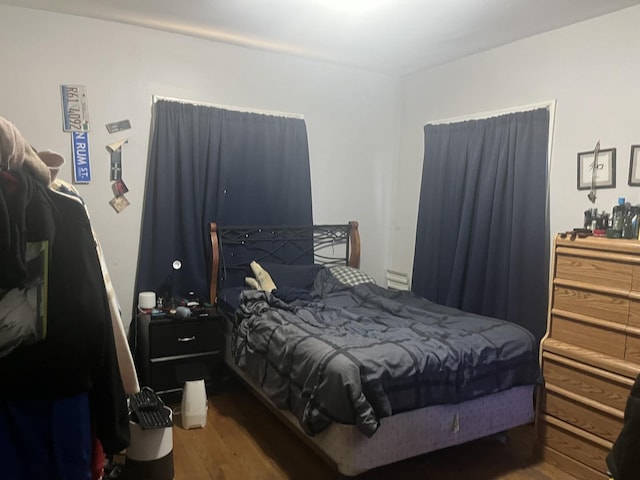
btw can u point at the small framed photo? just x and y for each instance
(119, 188)
(598, 174)
(634, 165)
(119, 203)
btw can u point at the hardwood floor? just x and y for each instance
(243, 440)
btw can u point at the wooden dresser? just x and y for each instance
(591, 352)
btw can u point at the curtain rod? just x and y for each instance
(228, 107)
(477, 116)
(549, 105)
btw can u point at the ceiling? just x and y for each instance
(387, 36)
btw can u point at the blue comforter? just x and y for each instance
(356, 354)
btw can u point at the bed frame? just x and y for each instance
(323, 244)
(400, 436)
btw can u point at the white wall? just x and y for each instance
(352, 117)
(592, 69)
(357, 121)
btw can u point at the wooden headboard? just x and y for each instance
(320, 244)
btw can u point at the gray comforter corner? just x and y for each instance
(356, 354)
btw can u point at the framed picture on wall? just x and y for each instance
(599, 174)
(634, 165)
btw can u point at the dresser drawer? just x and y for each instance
(592, 336)
(632, 350)
(185, 337)
(604, 424)
(635, 281)
(634, 311)
(595, 271)
(570, 465)
(599, 385)
(575, 443)
(603, 306)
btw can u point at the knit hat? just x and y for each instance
(53, 160)
(17, 154)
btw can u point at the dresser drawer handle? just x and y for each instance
(186, 339)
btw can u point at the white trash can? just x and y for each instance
(150, 454)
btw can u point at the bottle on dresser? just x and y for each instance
(617, 219)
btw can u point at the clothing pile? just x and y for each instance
(62, 396)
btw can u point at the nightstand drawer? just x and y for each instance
(185, 337)
(171, 374)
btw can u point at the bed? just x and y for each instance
(366, 375)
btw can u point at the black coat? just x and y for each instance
(624, 459)
(78, 354)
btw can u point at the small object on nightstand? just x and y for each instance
(182, 312)
(146, 301)
(192, 300)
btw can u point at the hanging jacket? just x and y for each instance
(17, 321)
(28, 221)
(78, 353)
(126, 366)
(624, 459)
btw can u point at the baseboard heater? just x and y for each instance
(398, 280)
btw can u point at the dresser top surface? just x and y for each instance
(600, 243)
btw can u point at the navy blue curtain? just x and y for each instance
(210, 164)
(482, 232)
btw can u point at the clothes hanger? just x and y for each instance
(9, 179)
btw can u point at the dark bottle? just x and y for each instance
(592, 219)
(630, 224)
(627, 222)
(617, 219)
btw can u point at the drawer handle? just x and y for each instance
(186, 339)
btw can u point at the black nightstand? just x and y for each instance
(169, 351)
